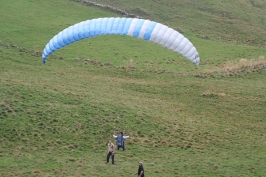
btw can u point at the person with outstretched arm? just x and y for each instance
(120, 140)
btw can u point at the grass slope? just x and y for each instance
(238, 21)
(55, 119)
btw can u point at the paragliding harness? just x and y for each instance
(120, 143)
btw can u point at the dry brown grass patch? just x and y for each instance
(233, 68)
(210, 93)
(244, 65)
(36, 171)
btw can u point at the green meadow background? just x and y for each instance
(56, 118)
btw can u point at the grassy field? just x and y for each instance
(56, 119)
(237, 22)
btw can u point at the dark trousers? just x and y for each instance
(121, 146)
(108, 157)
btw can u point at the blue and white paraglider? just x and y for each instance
(139, 28)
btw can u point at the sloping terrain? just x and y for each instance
(238, 22)
(56, 119)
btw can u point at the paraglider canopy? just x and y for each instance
(139, 28)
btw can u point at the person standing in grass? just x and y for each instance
(120, 141)
(111, 152)
(140, 170)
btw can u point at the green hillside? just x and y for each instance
(56, 118)
(237, 22)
